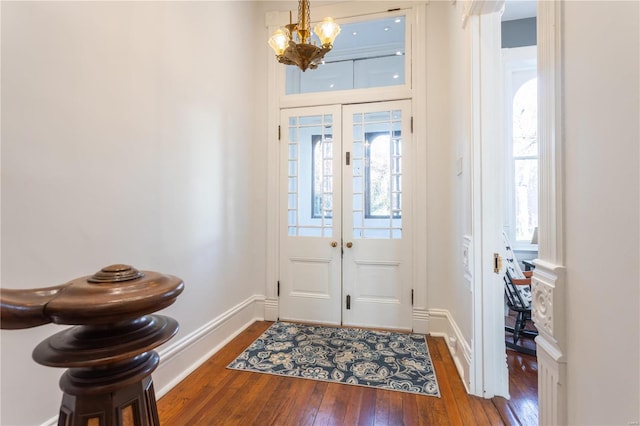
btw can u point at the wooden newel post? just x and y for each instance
(108, 352)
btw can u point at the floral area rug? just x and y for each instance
(381, 359)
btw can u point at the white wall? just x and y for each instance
(460, 130)
(602, 211)
(440, 152)
(448, 195)
(448, 192)
(128, 136)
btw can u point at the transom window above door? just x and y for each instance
(366, 54)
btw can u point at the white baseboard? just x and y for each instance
(442, 324)
(271, 309)
(183, 357)
(420, 321)
(179, 359)
(51, 422)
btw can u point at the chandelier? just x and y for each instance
(292, 43)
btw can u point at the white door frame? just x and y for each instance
(489, 374)
(416, 91)
(549, 282)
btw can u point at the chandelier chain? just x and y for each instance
(304, 16)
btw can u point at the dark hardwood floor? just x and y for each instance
(214, 395)
(522, 408)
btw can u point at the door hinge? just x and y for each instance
(497, 263)
(279, 133)
(348, 301)
(348, 157)
(278, 289)
(411, 297)
(411, 124)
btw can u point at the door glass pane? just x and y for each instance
(366, 54)
(377, 175)
(373, 117)
(310, 176)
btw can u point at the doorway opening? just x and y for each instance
(519, 59)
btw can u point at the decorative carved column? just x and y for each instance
(108, 352)
(548, 314)
(549, 282)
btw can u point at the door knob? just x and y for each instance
(349, 244)
(334, 244)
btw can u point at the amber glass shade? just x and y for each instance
(279, 41)
(327, 31)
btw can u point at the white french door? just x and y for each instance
(345, 215)
(310, 222)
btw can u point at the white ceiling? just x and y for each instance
(518, 9)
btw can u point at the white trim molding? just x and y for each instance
(467, 260)
(420, 321)
(548, 314)
(271, 309)
(547, 287)
(442, 324)
(550, 132)
(419, 161)
(184, 356)
(480, 7)
(549, 282)
(489, 371)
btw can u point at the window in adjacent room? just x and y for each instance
(521, 180)
(525, 160)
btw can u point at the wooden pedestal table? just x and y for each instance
(108, 352)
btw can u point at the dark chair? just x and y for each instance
(517, 294)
